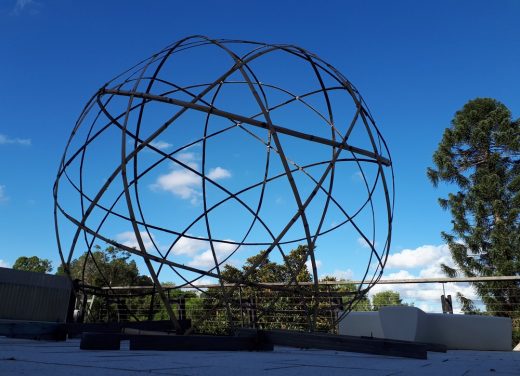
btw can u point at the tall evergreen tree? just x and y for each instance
(479, 154)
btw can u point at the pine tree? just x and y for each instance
(479, 154)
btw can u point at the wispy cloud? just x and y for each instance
(365, 244)
(3, 194)
(357, 176)
(205, 281)
(205, 259)
(198, 251)
(4, 264)
(342, 274)
(422, 262)
(424, 296)
(186, 157)
(186, 184)
(25, 6)
(5, 140)
(129, 239)
(162, 145)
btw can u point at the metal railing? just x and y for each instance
(274, 309)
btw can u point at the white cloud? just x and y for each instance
(186, 184)
(4, 140)
(129, 239)
(421, 256)
(3, 194)
(21, 6)
(434, 270)
(161, 145)
(423, 295)
(205, 281)
(4, 264)
(401, 274)
(309, 265)
(205, 259)
(186, 157)
(342, 274)
(189, 246)
(182, 183)
(218, 173)
(198, 251)
(426, 296)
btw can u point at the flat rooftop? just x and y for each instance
(19, 357)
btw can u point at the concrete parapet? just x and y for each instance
(457, 332)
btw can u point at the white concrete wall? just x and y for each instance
(470, 332)
(361, 324)
(457, 332)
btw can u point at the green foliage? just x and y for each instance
(292, 308)
(251, 306)
(272, 308)
(386, 298)
(108, 267)
(268, 271)
(33, 264)
(348, 293)
(467, 305)
(479, 154)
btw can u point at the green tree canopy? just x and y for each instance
(33, 264)
(479, 155)
(108, 267)
(269, 271)
(386, 298)
(349, 290)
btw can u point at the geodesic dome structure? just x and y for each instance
(211, 151)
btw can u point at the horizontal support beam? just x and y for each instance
(256, 340)
(335, 283)
(335, 342)
(246, 120)
(76, 329)
(198, 343)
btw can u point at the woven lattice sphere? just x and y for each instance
(213, 150)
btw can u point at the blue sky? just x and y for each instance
(415, 63)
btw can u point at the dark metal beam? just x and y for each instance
(149, 82)
(334, 342)
(246, 120)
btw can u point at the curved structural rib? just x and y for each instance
(309, 131)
